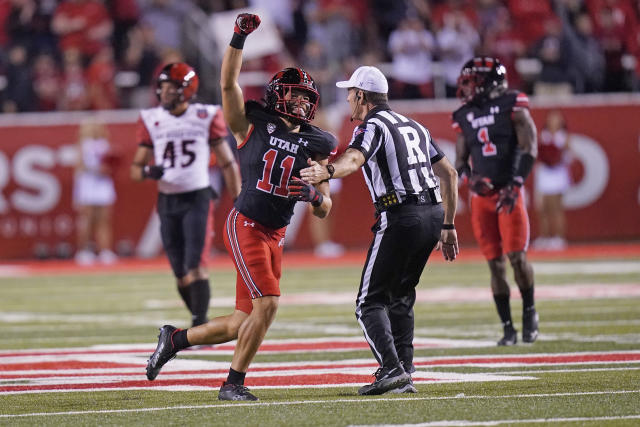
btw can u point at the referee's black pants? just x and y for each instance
(404, 237)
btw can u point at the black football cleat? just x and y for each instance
(386, 379)
(529, 325)
(407, 388)
(164, 352)
(510, 336)
(230, 391)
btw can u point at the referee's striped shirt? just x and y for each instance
(399, 153)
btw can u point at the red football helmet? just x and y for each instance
(183, 76)
(285, 81)
(479, 77)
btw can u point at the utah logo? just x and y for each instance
(202, 113)
(270, 128)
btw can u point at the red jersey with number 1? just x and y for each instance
(269, 156)
(490, 135)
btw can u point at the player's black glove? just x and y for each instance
(152, 172)
(246, 23)
(509, 195)
(481, 185)
(300, 190)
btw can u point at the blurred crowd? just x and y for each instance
(61, 55)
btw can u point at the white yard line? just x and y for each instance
(321, 402)
(464, 423)
(588, 268)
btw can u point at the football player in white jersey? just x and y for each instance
(179, 136)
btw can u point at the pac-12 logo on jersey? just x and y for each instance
(270, 128)
(202, 113)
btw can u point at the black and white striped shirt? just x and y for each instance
(399, 153)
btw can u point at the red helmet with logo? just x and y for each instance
(183, 76)
(479, 77)
(284, 82)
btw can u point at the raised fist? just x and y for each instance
(246, 23)
(153, 172)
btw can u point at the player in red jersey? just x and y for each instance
(179, 135)
(497, 132)
(275, 141)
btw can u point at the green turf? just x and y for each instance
(82, 310)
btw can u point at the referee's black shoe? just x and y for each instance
(407, 388)
(510, 336)
(529, 325)
(164, 352)
(386, 379)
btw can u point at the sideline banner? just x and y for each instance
(38, 154)
(37, 160)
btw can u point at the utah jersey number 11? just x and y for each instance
(286, 165)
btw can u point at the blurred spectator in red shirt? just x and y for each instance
(100, 81)
(74, 86)
(82, 24)
(5, 9)
(441, 12)
(615, 23)
(501, 40)
(530, 17)
(47, 82)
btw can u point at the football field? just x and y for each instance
(75, 342)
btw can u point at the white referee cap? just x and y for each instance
(366, 78)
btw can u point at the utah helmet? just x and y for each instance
(479, 77)
(183, 76)
(279, 89)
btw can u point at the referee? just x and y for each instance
(414, 210)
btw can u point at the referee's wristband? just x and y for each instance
(448, 227)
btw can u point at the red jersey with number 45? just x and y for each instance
(490, 135)
(269, 156)
(181, 144)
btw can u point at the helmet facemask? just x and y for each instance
(290, 105)
(467, 86)
(177, 99)
(481, 78)
(184, 79)
(284, 92)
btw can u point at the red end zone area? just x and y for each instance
(307, 259)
